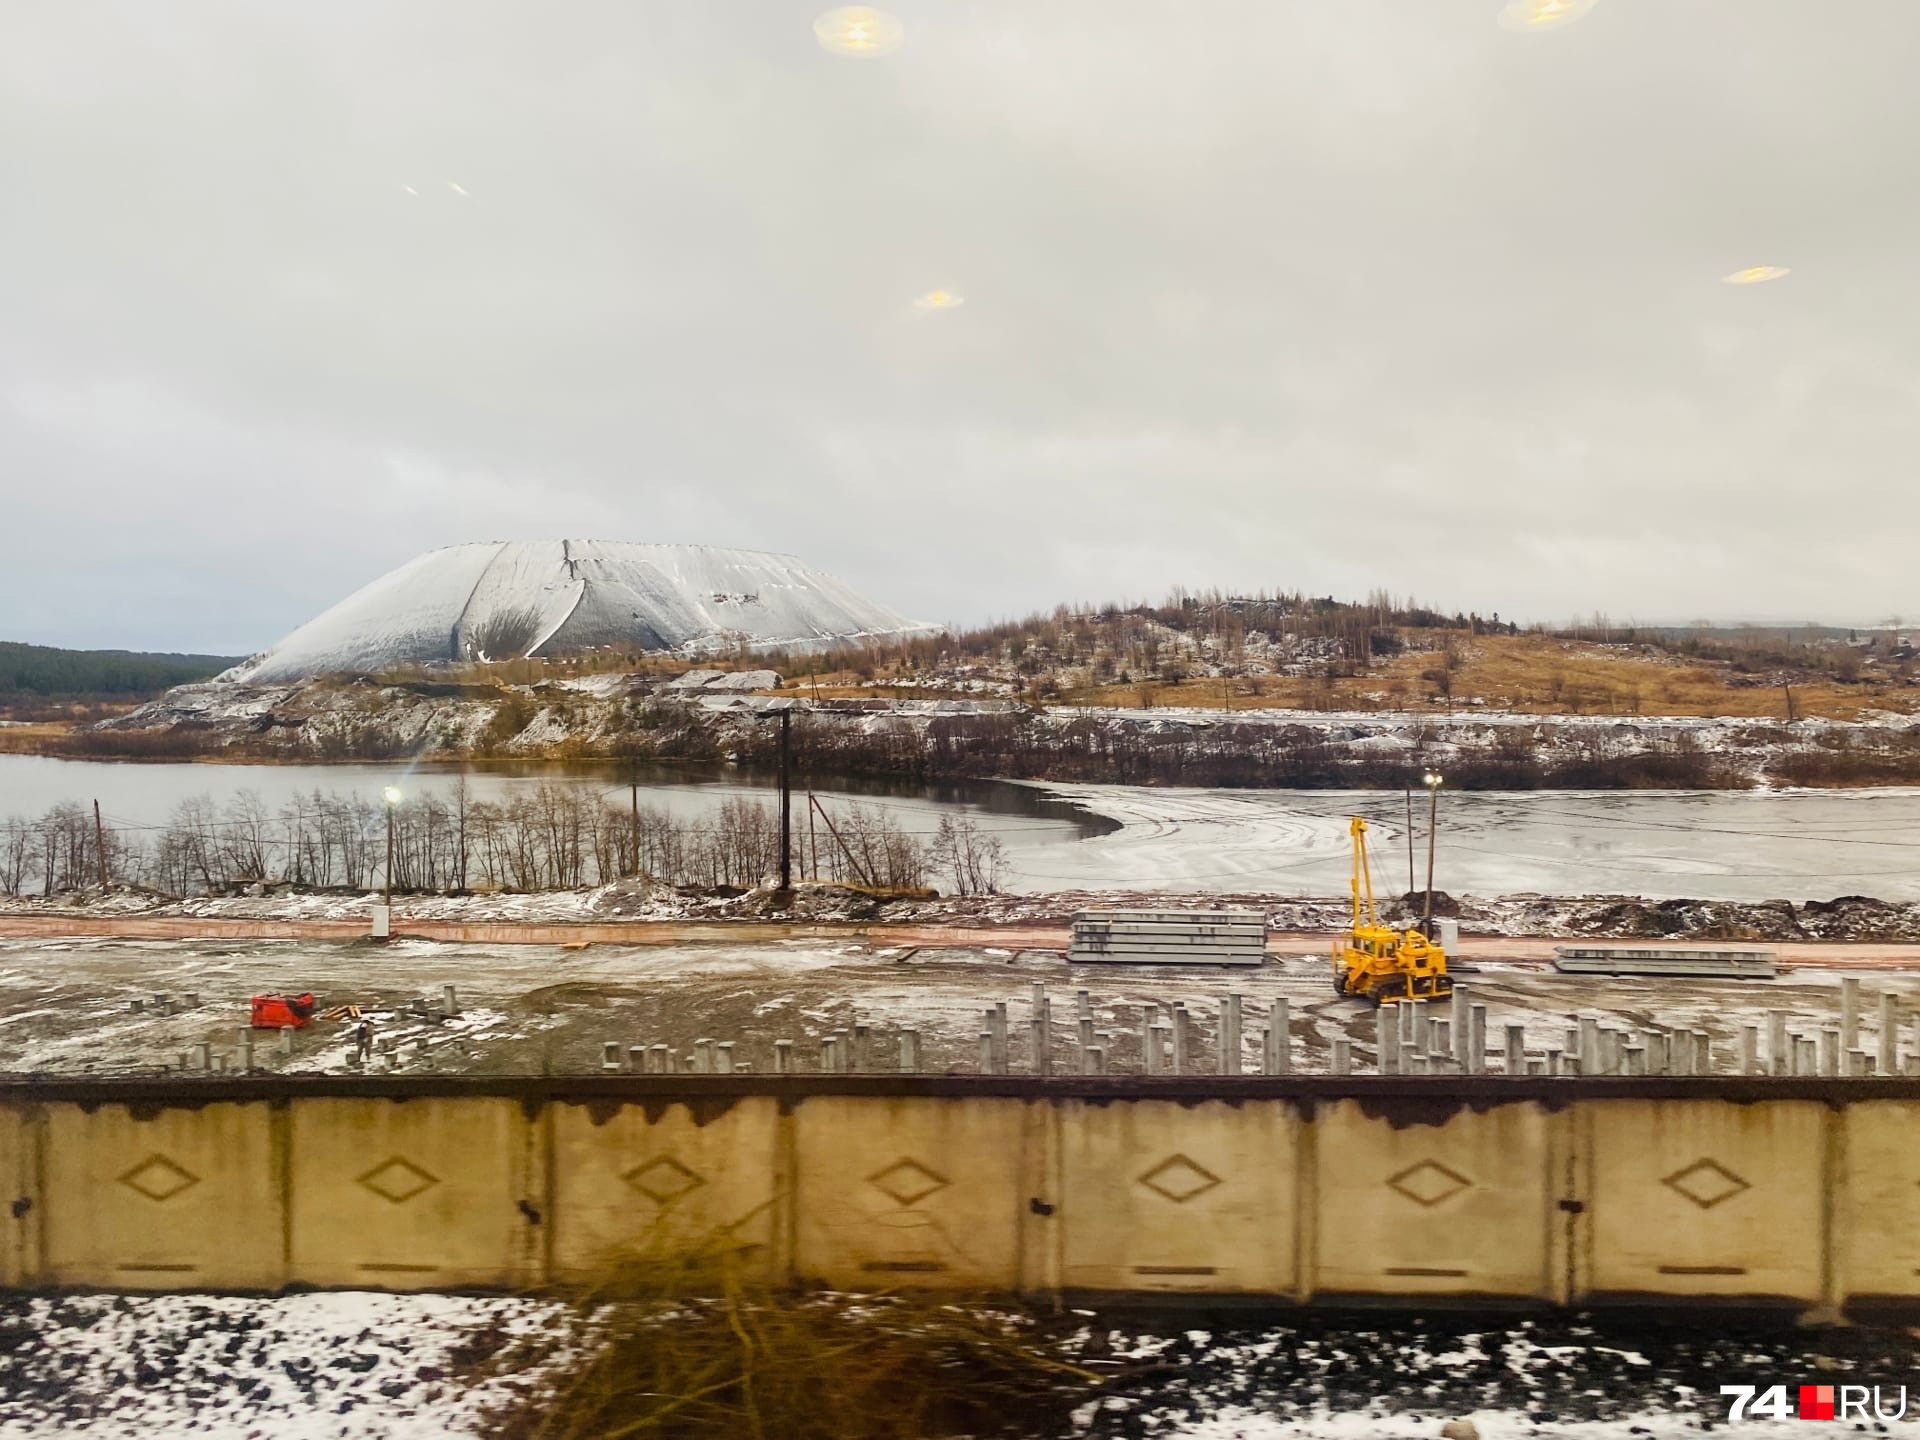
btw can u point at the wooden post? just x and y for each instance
(853, 862)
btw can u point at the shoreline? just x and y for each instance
(454, 764)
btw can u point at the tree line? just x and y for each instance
(47, 672)
(554, 836)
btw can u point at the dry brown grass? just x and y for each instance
(1534, 674)
(693, 1347)
(32, 739)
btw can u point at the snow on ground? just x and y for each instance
(295, 1367)
(361, 1366)
(1333, 1376)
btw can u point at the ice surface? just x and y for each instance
(574, 595)
(1733, 845)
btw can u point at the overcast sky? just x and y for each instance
(1330, 294)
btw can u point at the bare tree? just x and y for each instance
(972, 858)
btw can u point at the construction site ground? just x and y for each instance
(67, 1003)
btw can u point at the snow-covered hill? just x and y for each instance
(504, 599)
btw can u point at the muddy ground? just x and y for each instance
(68, 1006)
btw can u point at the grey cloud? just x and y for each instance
(1339, 296)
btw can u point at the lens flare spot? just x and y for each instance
(858, 30)
(938, 300)
(1529, 16)
(1757, 274)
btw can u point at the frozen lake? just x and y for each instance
(1720, 845)
(1746, 845)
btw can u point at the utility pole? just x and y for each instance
(100, 843)
(786, 799)
(633, 782)
(1433, 781)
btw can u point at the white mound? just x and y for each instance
(506, 599)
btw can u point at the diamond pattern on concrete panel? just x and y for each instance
(159, 1178)
(1706, 1183)
(398, 1180)
(907, 1182)
(1428, 1183)
(663, 1179)
(1179, 1179)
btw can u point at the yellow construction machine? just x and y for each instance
(1376, 962)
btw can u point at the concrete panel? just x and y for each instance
(1159, 1196)
(1461, 1207)
(20, 1194)
(1705, 1197)
(175, 1197)
(1878, 1208)
(664, 1183)
(431, 1193)
(900, 1190)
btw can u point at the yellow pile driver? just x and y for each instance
(1376, 962)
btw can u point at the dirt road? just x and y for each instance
(1832, 956)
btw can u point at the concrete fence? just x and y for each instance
(1549, 1191)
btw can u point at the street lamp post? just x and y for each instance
(785, 712)
(1433, 782)
(1409, 840)
(392, 796)
(786, 800)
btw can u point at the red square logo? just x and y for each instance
(1816, 1402)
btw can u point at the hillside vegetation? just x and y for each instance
(1317, 653)
(1122, 694)
(1306, 653)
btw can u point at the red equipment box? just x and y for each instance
(271, 1012)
